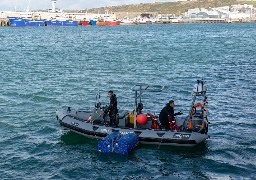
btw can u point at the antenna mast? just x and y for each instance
(53, 5)
(27, 10)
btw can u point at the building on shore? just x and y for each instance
(55, 13)
(234, 13)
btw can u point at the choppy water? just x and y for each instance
(43, 69)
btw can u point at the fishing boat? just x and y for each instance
(145, 21)
(61, 22)
(188, 131)
(17, 22)
(127, 21)
(93, 22)
(107, 20)
(85, 22)
(21, 22)
(35, 23)
(108, 23)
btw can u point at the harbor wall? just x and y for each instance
(4, 22)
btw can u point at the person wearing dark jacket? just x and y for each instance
(167, 115)
(112, 108)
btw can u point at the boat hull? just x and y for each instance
(85, 23)
(17, 22)
(20, 22)
(70, 121)
(93, 22)
(128, 23)
(35, 23)
(108, 23)
(61, 23)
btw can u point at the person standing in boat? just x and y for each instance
(167, 114)
(112, 108)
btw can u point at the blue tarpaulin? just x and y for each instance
(118, 143)
(106, 145)
(126, 143)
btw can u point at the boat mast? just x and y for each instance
(139, 89)
(53, 5)
(28, 6)
(196, 93)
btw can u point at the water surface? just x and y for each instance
(43, 69)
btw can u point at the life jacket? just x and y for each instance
(155, 124)
(173, 125)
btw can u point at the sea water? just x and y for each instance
(48, 68)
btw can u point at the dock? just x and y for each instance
(4, 22)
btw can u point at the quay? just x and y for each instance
(4, 22)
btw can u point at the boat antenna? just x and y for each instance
(53, 5)
(27, 10)
(97, 103)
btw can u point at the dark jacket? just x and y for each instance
(167, 110)
(113, 103)
(163, 116)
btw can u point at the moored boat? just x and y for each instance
(65, 22)
(17, 22)
(85, 23)
(35, 23)
(127, 21)
(21, 22)
(145, 21)
(189, 131)
(93, 22)
(108, 23)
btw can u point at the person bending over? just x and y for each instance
(167, 114)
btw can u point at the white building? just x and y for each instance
(225, 12)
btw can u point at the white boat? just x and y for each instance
(127, 21)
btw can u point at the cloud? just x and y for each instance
(21, 5)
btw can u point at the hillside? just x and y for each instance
(167, 7)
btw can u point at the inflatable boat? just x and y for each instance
(188, 131)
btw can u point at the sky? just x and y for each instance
(21, 5)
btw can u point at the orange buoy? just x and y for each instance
(141, 119)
